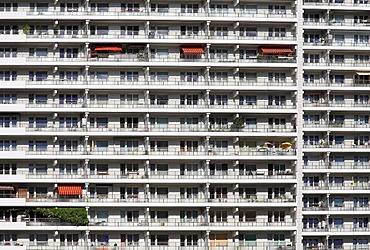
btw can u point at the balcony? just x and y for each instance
(289, 175)
(344, 125)
(345, 104)
(338, 186)
(284, 199)
(166, 12)
(338, 228)
(336, 3)
(345, 83)
(175, 81)
(333, 165)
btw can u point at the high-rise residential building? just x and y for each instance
(196, 125)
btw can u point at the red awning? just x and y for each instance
(192, 51)
(276, 51)
(108, 49)
(69, 190)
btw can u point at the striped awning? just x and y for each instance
(192, 51)
(276, 50)
(69, 190)
(108, 49)
(363, 73)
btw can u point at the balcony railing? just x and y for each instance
(175, 199)
(343, 145)
(118, 151)
(145, 58)
(337, 3)
(166, 246)
(346, 124)
(175, 12)
(163, 175)
(338, 186)
(349, 104)
(334, 165)
(338, 207)
(345, 83)
(170, 81)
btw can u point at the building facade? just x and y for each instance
(169, 125)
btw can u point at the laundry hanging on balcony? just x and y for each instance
(69, 190)
(192, 51)
(276, 50)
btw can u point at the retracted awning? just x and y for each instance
(276, 51)
(8, 188)
(192, 51)
(69, 190)
(363, 73)
(108, 49)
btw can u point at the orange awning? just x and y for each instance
(192, 51)
(276, 51)
(108, 49)
(69, 190)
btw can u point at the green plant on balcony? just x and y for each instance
(76, 216)
(238, 124)
(26, 29)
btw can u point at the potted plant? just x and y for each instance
(26, 29)
(238, 124)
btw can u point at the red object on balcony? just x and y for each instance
(115, 49)
(276, 50)
(69, 190)
(192, 51)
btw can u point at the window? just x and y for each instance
(37, 168)
(68, 75)
(8, 7)
(218, 216)
(188, 169)
(129, 146)
(8, 169)
(68, 169)
(8, 52)
(68, 145)
(37, 75)
(68, 30)
(247, 240)
(276, 32)
(277, 9)
(277, 239)
(68, 99)
(130, 30)
(248, 31)
(68, 122)
(159, 240)
(41, 239)
(37, 145)
(189, 8)
(130, 7)
(159, 99)
(188, 193)
(68, 7)
(99, 7)
(69, 239)
(218, 99)
(7, 122)
(219, 31)
(8, 75)
(189, 76)
(188, 240)
(68, 52)
(130, 76)
(129, 192)
(160, 8)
